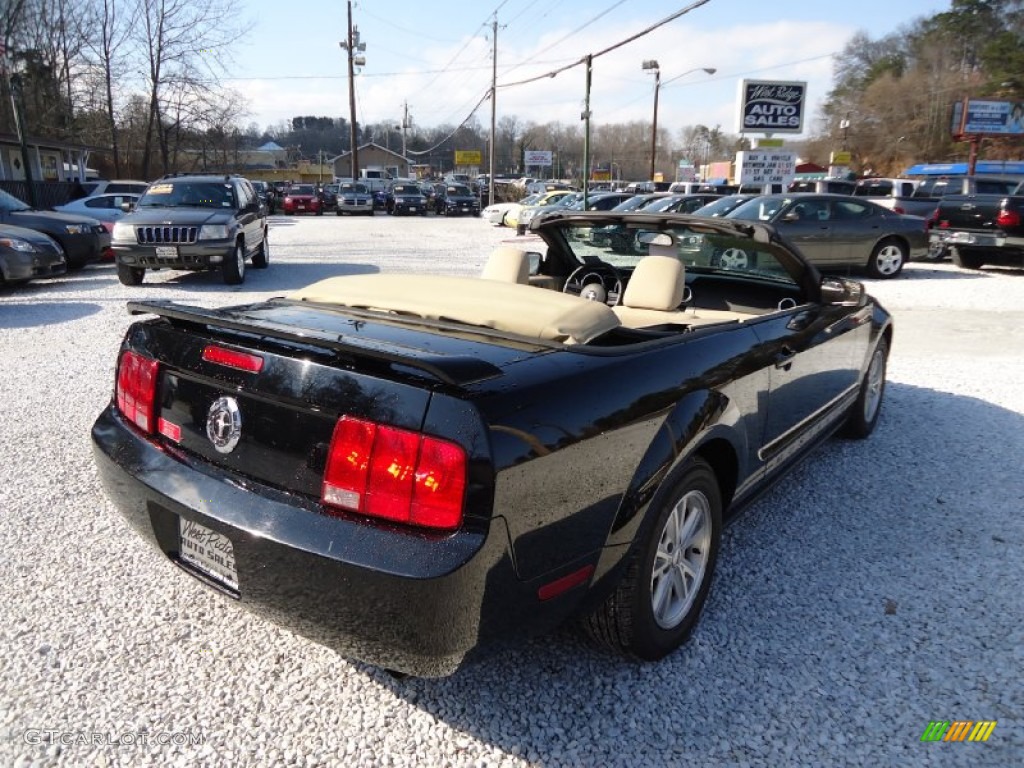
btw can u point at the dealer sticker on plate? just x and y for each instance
(208, 551)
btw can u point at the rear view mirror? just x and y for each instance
(654, 238)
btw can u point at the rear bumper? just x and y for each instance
(977, 239)
(400, 600)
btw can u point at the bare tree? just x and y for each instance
(185, 46)
(110, 26)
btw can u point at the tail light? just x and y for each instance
(1008, 219)
(231, 358)
(394, 474)
(898, 209)
(136, 389)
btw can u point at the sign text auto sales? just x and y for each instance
(772, 107)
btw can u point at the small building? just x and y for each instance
(49, 159)
(373, 156)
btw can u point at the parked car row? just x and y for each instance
(833, 231)
(36, 243)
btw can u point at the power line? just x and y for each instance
(609, 49)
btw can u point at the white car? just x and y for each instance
(496, 213)
(105, 208)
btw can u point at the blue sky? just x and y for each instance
(435, 55)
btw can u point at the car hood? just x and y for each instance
(461, 198)
(33, 236)
(48, 221)
(176, 217)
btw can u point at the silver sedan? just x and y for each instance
(106, 208)
(839, 231)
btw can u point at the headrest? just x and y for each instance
(507, 264)
(657, 282)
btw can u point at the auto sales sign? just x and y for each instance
(770, 106)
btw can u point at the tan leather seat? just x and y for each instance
(508, 265)
(654, 292)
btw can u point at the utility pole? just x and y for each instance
(586, 132)
(405, 127)
(494, 108)
(355, 57)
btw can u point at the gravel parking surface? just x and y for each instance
(879, 587)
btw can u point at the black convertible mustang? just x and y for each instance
(412, 469)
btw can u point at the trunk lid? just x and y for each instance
(275, 425)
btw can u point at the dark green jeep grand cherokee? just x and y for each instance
(198, 222)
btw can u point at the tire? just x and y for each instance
(130, 275)
(337, 212)
(887, 259)
(937, 252)
(233, 269)
(968, 258)
(734, 258)
(261, 259)
(863, 415)
(652, 610)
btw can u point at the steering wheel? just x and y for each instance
(596, 282)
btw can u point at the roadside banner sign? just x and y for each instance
(536, 157)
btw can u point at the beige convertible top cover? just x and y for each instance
(509, 307)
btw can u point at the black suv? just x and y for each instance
(405, 197)
(194, 222)
(453, 199)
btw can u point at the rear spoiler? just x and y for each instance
(450, 369)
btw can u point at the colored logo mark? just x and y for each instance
(958, 730)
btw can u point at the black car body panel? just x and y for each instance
(565, 444)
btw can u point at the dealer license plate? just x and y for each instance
(207, 551)
(166, 252)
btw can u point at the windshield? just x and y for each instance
(764, 208)
(634, 203)
(458, 189)
(9, 202)
(721, 206)
(301, 189)
(353, 188)
(406, 189)
(873, 189)
(623, 244)
(188, 194)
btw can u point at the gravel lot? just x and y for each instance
(878, 587)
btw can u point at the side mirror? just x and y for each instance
(838, 291)
(127, 207)
(791, 216)
(535, 259)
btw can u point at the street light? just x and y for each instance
(652, 64)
